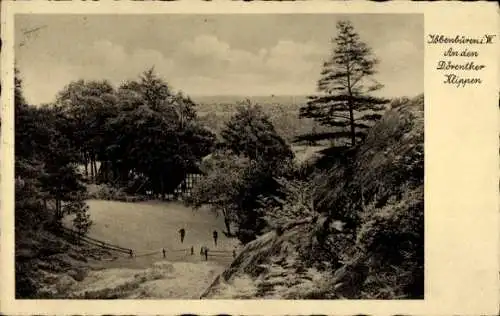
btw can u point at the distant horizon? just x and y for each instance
(277, 95)
(197, 97)
(269, 95)
(246, 95)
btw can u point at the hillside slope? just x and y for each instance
(47, 265)
(377, 255)
(270, 267)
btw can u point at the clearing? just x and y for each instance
(148, 227)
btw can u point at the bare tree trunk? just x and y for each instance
(58, 211)
(351, 107)
(91, 170)
(162, 188)
(227, 222)
(85, 162)
(228, 226)
(95, 168)
(104, 171)
(351, 123)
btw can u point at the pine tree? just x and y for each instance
(344, 102)
(81, 221)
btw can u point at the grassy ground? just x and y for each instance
(150, 226)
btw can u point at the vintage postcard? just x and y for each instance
(272, 158)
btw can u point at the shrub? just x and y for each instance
(376, 190)
(81, 221)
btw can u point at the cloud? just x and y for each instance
(400, 68)
(267, 55)
(201, 65)
(103, 59)
(205, 46)
(42, 80)
(397, 55)
(206, 65)
(296, 59)
(221, 65)
(106, 59)
(207, 56)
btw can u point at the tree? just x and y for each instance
(344, 102)
(81, 221)
(144, 135)
(250, 133)
(156, 134)
(87, 105)
(45, 158)
(237, 178)
(219, 187)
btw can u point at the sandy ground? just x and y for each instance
(163, 280)
(147, 228)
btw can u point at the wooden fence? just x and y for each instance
(204, 251)
(72, 234)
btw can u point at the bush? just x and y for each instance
(107, 192)
(244, 171)
(294, 203)
(393, 239)
(377, 191)
(81, 221)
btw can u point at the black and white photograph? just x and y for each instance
(219, 156)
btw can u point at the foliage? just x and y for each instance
(344, 102)
(377, 193)
(282, 113)
(81, 221)
(363, 216)
(142, 130)
(87, 106)
(392, 238)
(294, 203)
(243, 171)
(29, 195)
(250, 133)
(219, 187)
(45, 159)
(358, 227)
(47, 184)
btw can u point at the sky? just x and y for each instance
(221, 54)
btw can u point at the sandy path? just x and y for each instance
(164, 280)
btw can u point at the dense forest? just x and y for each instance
(143, 138)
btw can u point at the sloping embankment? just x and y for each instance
(163, 280)
(382, 192)
(270, 268)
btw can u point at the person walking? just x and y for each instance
(182, 232)
(204, 252)
(215, 235)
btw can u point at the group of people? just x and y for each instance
(182, 233)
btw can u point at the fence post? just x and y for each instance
(164, 253)
(192, 250)
(206, 254)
